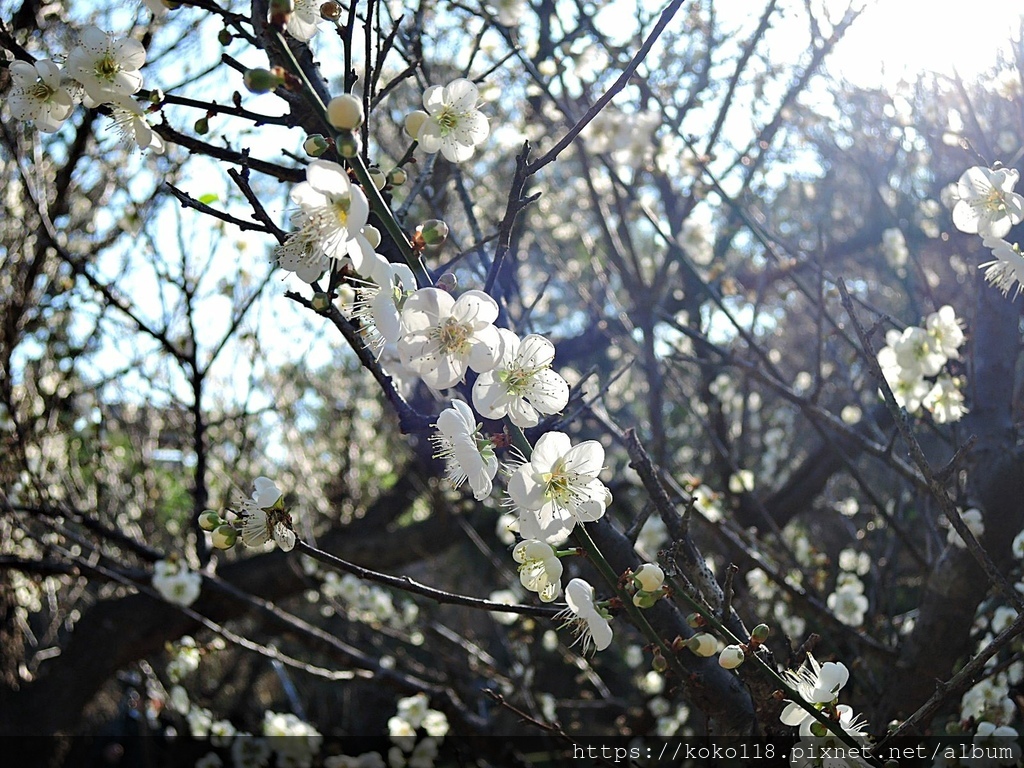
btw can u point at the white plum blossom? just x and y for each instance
(328, 225)
(650, 577)
(175, 582)
(540, 570)
(558, 487)
(106, 66)
(302, 23)
(946, 331)
(509, 12)
(467, 453)
(894, 247)
(816, 684)
(130, 123)
(999, 741)
(378, 304)
(1006, 267)
(987, 204)
(972, 519)
(588, 622)
(945, 401)
(264, 518)
(827, 751)
(445, 336)
(38, 95)
(848, 602)
(731, 657)
(294, 741)
(453, 125)
(522, 385)
(1018, 545)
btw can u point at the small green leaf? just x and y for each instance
(209, 197)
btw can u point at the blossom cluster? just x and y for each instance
(175, 582)
(986, 205)
(102, 70)
(912, 357)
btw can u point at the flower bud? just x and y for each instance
(695, 620)
(658, 663)
(447, 282)
(413, 122)
(280, 12)
(262, 80)
(760, 633)
(819, 730)
(330, 11)
(379, 179)
(645, 599)
(321, 301)
(372, 235)
(731, 657)
(209, 519)
(397, 177)
(703, 644)
(224, 536)
(432, 232)
(315, 145)
(345, 112)
(348, 144)
(649, 577)
(224, 37)
(202, 126)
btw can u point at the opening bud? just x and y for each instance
(413, 123)
(649, 577)
(209, 519)
(703, 644)
(760, 633)
(379, 179)
(315, 145)
(345, 112)
(224, 536)
(372, 235)
(731, 657)
(262, 80)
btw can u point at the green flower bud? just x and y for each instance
(224, 536)
(433, 232)
(348, 144)
(760, 633)
(209, 519)
(315, 145)
(202, 126)
(224, 37)
(397, 177)
(345, 112)
(321, 301)
(818, 729)
(644, 599)
(659, 663)
(262, 80)
(695, 620)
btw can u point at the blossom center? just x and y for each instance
(448, 119)
(453, 336)
(517, 380)
(107, 68)
(41, 91)
(561, 486)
